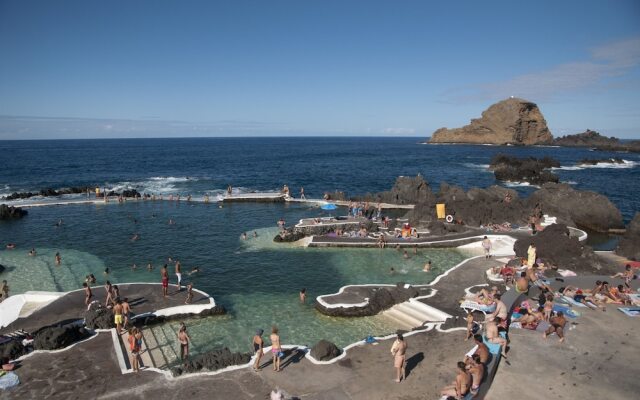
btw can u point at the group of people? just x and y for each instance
(364, 210)
(276, 348)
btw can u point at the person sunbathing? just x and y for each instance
(491, 332)
(627, 275)
(476, 369)
(500, 311)
(482, 350)
(486, 297)
(526, 319)
(461, 386)
(578, 295)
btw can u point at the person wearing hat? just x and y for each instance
(258, 343)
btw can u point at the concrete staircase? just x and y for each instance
(413, 314)
(159, 348)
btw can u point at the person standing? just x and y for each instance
(165, 280)
(399, 350)
(87, 293)
(184, 339)
(276, 348)
(117, 311)
(486, 245)
(258, 345)
(531, 255)
(126, 311)
(302, 196)
(135, 344)
(178, 274)
(189, 293)
(109, 289)
(58, 259)
(4, 291)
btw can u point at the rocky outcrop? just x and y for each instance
(2, 268)
(511, 121)
(581, 208)
(212, 361)
(153, 319)
(12, 350)
(593, 139)
(10, 212)
(57, 337)
(131, 193)
(531, 170)
(380, 299)
(475, 207)
(629, 245)
(556, 248)
(289, 235)
(48, 192)
(98, 317)
(324, 350)
(406, 190)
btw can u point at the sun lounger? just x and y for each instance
(630, 311)
(469, 306)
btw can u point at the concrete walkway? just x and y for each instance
(143, 297)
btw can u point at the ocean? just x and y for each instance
(255, 279)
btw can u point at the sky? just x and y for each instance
(111, 69)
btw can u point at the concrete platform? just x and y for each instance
(143, 297)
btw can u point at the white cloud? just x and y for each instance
(607, 61)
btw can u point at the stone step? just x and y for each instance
(414, 311)
(396, 321)
(407, 321)
(434, 314)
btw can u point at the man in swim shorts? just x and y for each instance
(486, 245)
(476, 369)
(126, 311)
(557, 325)
(118, 319)
(258, 344)
(184, 338)
(179, 274)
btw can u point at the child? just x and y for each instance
(469, 326)
(189, 293)
(548, 307)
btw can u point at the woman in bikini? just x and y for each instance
(276, 348)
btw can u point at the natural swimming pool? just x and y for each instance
(256, 280)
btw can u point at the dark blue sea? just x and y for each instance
(354, 165)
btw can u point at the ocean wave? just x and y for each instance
(624, 165)
(172, 179)
(484, 167)
(519, 184)
(570, 182)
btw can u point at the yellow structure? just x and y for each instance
(440, 210)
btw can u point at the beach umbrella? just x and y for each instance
(328, 207)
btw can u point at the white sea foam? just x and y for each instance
(484, 167)
(519, 184)
(571, 182)
(625, 164)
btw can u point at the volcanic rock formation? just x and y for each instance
(510, 121)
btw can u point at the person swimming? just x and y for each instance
(194, 270)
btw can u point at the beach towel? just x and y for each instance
(570, 300)
(494, 277)
(494, 348)
(9, 380)
(630, 311)
(566, 311)
(565, 273)
(635, 299)
(469, 306)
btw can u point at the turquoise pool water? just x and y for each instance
(255, 279)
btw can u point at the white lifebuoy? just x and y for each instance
(449, 218)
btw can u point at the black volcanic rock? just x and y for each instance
(47, 192)
(10, 212)
(407, 190)
(12, 349)
(57, 337)
(532, 170)
(580, 208)
(556, 248)
(324, 350)
(212, 361)
(629, 245)
(593, 139)
(380, 299)
(98, 317)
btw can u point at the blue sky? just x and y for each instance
(83, 69)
